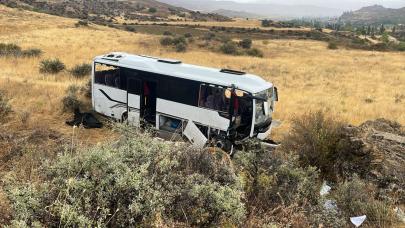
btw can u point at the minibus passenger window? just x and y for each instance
(107, 75)
(214, 98)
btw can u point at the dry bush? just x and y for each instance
(9, 50)
(166, 41)
(33, 52)
(255, 52)
(246, 43)
(24, 117)
(82, 23)
(51, 66)
(167, 33)
(13, 50)
(86, 89)
(332, 45)
(181, 47)
(5, 107)
(315, 137)
(71, 101)
(229, 48)
(138, 181)
(81, 70)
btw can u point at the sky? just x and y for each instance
(339, 4)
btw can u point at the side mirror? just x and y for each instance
(275, 94)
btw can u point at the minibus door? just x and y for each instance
(134, 101)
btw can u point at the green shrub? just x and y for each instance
(152, 10)
(166, 41)
(33, 52)
(355, 197)
(138, 181)
(246, 43)
(255, 52)
(82, 70)
(270, 180)
(209, 36)
(181, 47)
(385, 38)
(401, 46)
(229, 48)
(51, 66)
(179, 40)
(130, 28)
(167, 33)
(82, 23)
(281, 192)
(9, 50)
(332, 46)
(5, 108)
(188, 35)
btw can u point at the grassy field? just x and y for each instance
(235, 23)
(354, 85)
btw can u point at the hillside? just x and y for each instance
(142, 10)
(375, 15)
(237, 14)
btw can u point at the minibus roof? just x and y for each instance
(175, 68)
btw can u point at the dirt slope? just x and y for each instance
(379, 147)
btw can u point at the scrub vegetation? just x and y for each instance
(55, 175)
(51, 66)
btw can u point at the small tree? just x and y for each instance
(385, 38)
(152, 10)
(382, 29)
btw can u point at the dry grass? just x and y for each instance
(356, 85)
(236, 23)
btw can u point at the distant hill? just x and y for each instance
(237, 14)
(375, 15)
(272, 11)
(129, 9)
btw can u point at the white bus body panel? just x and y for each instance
(112, 108)
(134, 115)
(199, 115)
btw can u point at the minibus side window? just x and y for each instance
(107, 75)
(214, 98)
